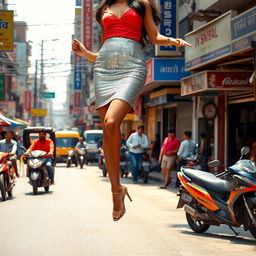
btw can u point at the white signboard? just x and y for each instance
(210, 42)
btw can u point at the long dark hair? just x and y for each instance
(139, 7)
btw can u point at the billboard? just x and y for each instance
(168, 26)
(6, 30)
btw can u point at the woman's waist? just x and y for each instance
(122, 44)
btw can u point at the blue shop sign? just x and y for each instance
(78, 2)
(172, 70)
(243, 30)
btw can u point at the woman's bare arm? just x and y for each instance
(154, 36)
(80, 49)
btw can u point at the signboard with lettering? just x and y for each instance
(77, 59)
(6, 30)
(214, 81)
(168, 26)
(168, 70)
(243, 30)
(210, 42)
(88, 24)
(27, 101)
(38, 112)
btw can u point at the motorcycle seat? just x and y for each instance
(209, 180)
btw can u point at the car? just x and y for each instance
(93, 140)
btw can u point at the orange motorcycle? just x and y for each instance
(7, 176)
(228, 198)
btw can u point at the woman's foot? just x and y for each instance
(118, 201)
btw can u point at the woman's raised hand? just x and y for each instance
(180, 42)
(78, 48)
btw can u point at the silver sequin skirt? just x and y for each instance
(119, 71)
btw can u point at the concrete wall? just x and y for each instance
(184, 118)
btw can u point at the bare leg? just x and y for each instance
(167, 177)
(112, 117)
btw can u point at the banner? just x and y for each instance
(2, 86)
(168, 26)
(78, 59)
(6, 30)
(27, 101)
(88, 24)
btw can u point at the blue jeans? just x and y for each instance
(49, 167)
(136, 163)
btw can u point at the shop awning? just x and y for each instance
(212, 82)
(10, 122)
(21, 121)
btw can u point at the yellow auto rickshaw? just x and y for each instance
(65, 141)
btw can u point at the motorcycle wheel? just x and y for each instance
(46, 189)
(35, 187)
(122, 172)
(196, 225)
(253, 229)
(2, 187)
(68, 164)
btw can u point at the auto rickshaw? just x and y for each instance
(36, 169)
(65, 146)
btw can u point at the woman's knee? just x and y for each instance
(111, 125)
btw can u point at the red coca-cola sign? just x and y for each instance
(228, 80)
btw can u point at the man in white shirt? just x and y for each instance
(187, 148)
(137, 142)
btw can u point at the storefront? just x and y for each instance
(224, 98)
(163, 104)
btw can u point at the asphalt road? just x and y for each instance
(75, 219)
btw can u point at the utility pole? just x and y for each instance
(35, 94)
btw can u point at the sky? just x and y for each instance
(48, 20)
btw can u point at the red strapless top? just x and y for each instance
(129, 25)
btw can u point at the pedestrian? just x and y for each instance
(156, 146)
(120, 73)
(8, 145)
(20, 152)
(137, 144)
(167, 156)
(204, 152)
(187, 148)
(123, 140)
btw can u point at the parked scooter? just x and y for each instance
(146, 167)
(36, 170)
(124, 161)
(7, 176)
(80, 156)
(228, 198)
(71, 158)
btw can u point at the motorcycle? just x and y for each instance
(102, 162)
(37, 172)
(7, 176)
(228, 198)
(192, 161)
(146, 167)
(124, 161)
(81, 156)
(71, 158)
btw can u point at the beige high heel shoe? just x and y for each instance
(117, 215)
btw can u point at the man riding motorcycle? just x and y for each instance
(80, 144)
(8, 145)
(46, 145)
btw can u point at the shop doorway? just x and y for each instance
(169, 120)
(241, 128)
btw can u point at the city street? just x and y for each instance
(75, 219)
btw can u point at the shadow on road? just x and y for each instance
(234, 239)
(39, 193)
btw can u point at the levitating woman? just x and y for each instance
(120, 73)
